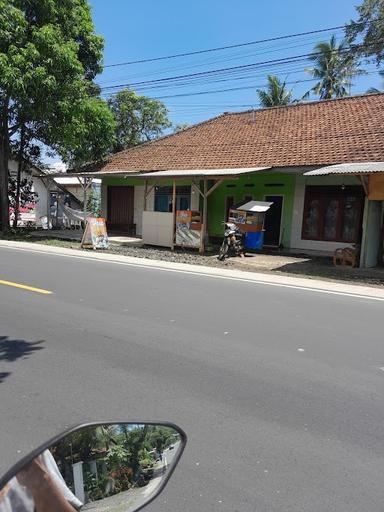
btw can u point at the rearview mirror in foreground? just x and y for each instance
(96, 467)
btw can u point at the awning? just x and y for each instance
(174, 174)
(253, 206)
(199, 173)
(349, 168)
(71, 180)
(95, 174)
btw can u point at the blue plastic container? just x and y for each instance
(254, 240)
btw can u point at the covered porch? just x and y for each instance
(370, 250)
(155, 198)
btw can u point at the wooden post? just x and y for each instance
(85, 183)
(214, 187)
(197, 188)
(364, 182)
(145, 195)
(174, 213)
(48, 186)
(85, 200)
(205, 217)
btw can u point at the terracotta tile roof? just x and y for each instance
(318, 133)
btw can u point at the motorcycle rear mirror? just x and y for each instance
(97, 467)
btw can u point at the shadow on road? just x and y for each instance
(12, 350)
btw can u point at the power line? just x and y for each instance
(219, 48)
(243, 88)
(198, 52)
(232, 69)
(204, 63)
(231, 89)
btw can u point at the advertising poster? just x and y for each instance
(27, 215)
(187, 231)
(95, 233)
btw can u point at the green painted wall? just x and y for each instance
(261, 188)
(237, 188)
(110, 181)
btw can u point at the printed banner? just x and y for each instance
(95, 233)
(185, 235)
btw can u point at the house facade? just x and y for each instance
(49, 193)
(274, 148)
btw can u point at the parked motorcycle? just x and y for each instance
(233, 241)
(96, 467)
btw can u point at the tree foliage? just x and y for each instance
(180, 127)
(138, 119)
(276, 93)
(49, 55)
(334, 67)
(369, 29)
(85, 133)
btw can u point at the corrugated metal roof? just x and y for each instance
(254, 206)
(201, 173)
(350, 168)
(72, 180)
(95, 174)
(182, 173)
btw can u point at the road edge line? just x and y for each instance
(355, 291)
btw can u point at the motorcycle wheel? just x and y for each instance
(223, 251)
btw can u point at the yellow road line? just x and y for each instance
(25, 287)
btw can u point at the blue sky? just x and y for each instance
(141, 30)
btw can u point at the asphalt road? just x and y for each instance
(279, 390)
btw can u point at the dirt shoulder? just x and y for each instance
(268, 263)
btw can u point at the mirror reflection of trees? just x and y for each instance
(115, 458)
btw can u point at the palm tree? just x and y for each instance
(275, 94)
(373, 89)
(335, 65)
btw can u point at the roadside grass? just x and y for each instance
(26, 236)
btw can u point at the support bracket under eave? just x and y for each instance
(364, 181)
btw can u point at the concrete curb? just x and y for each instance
(316, 285)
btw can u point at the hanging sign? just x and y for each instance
(95, 234)
(188, 228)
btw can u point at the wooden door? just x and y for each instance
(120, 208)
(272, 223)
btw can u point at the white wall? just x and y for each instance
(371, 239)
(104, 200)
(158, 228)
(42, 202)
(195, 201)
(138, 207)
(38, 187)
(298, 210)
(12, 166)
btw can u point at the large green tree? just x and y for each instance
(138, 119)
(335, 64)
(276, 93)
(27, 154)
(49, 55)
(368, 29)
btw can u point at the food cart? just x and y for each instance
(249, 218)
